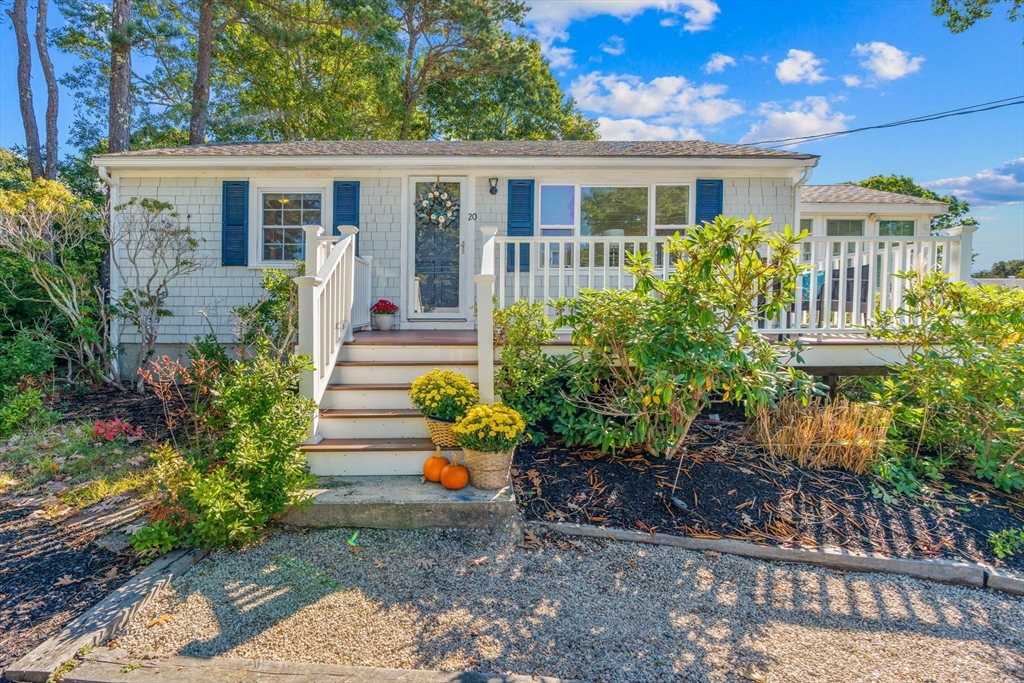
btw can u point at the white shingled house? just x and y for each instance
(443, 228)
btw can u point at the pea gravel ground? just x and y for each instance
(591, 610)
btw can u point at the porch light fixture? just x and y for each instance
(494, 185)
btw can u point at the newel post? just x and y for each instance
(485, 316)
(349, 232)
(309, 343)
(313, 233)
(962, 258)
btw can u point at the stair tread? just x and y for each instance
(370, 445)
(404, 363)
(370, 387)
(369, 412)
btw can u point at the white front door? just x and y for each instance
(438, 263)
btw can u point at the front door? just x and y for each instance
(438, 250)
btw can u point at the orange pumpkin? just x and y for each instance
(433, 466)
(455, 476)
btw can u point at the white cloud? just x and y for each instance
(550, 19)
(635, 129)
(668, 22)
(718, 62)
(800, 66)
(991, 187)
(887, 62)
(667, 99)
(851, 81)
(811, 116)
(614, 45)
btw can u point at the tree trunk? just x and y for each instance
(120, 118)
(52, 92)
(19, 16)
(201, 86)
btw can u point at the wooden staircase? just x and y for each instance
(366, 421)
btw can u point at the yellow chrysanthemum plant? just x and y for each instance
(443, 395)
(490, 428)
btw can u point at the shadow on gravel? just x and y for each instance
(587, 609)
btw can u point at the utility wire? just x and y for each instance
(962, 111)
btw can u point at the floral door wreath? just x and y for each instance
(435, 205)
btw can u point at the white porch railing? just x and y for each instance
(847, 281)
(326, 297)
(363, 298)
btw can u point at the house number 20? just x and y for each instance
(471, 217)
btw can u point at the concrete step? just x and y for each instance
(395, 372)
(383, 502)
(418, 352)
(369, 423)
(367, 457)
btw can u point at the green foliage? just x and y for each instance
(649, 360)
(29, 353)
(958, 213)
(14, 173)
(156, 539)
(962, 14)
(959, 394)
(248, 467)
(1007, 542)
(20, 409)
(1003, 269)
(275, 317)
(528, 379)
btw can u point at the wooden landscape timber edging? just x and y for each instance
(105, 618)
(942, 571)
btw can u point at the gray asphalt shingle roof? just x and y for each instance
(855, 194)
(528, 148)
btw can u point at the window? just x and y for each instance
(835, 227)
(557, 209)
(808, 225)
(611, 211)
(671, 208)
(896, 228)
(284, 214)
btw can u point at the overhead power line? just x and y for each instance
(963, 111)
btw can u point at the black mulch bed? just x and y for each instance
(143, 410)
(50, 573)
(731, 489)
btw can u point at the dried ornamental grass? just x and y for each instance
(825, 435)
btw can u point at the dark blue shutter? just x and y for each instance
(234, 250)
(709, 200)
(520, 220)
(346, 205)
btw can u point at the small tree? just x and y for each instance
(150, 247)
(274, 319)
(650, 359)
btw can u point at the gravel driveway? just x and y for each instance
(592, 610)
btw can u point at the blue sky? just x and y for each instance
(747, 71)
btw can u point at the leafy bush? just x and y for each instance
(245, 465)
(443, 394)
(649, 360)
(959, 394)
(112, 429)
(274, 319)
(1007, 542)
(22, 408)
(29, 353)
(528, 379)
(490, 429)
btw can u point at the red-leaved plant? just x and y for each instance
(384, 307)
(111, 429)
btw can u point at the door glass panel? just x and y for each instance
(438, 245)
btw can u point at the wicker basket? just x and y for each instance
(441, 433)
(488, 471)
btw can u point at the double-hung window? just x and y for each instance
(808, 225)
(671, 209)
(844, 227)
(896, 228)
(282, 217)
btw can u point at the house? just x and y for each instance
(440, 228)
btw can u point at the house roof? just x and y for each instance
(503, 148)
(855, 194)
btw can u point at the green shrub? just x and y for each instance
(247, 466)
(1007, 542)
(649, 360)
(29, 353)
(528, 379)
(959, 394)
(20, 409)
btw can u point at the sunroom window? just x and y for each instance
(896, 228)
(284, 214)
(557, 209)
(808, 225)
(611, 211)
(671, 209)
(843, 227)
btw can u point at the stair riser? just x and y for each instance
(389, 399)
(426, 354)
(327, 464)
(374, 428)
(393, 374)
